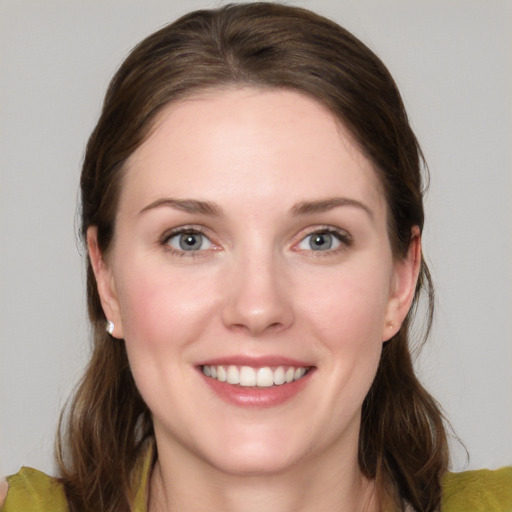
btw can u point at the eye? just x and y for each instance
(188, 241)
(323, 240)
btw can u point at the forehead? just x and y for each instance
(249, 140)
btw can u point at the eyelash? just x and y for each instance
(193, 230)
(341, 236)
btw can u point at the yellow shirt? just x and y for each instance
(472, 491)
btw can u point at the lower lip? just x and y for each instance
(255, 396)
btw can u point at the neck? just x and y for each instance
(314, 486)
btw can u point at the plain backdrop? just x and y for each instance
(452, 60)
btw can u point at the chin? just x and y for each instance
(258, 456)
(264, 463)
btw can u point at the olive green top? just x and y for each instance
(471, 491)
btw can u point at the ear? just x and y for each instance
(104, 282)
(403, 286)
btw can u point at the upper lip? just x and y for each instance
(256, 362)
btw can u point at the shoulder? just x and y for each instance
(478, 491)
(3, 490)
(33, 490)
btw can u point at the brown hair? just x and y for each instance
(402, 439)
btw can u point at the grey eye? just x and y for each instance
(189, 241)
(320, 241)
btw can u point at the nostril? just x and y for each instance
(257, 304)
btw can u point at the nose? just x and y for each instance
(258, 298)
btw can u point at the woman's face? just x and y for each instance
(251, 244)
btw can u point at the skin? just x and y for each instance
(256, 287)
(3, 490)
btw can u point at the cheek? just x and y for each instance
(163, 313)
(347, 314)
(161, 307)
(349, 304)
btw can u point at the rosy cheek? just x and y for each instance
(348, 300)
(143, 308)
(162, 308)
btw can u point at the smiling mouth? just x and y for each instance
(246, 376)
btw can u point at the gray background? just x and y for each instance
(452, 60)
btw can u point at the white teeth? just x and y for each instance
(249, 377)
(264, 377)
(233, 375)
(221, 374)
(279, 376)
(299, 372)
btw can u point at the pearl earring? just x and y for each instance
(110, 327)
(390, 323)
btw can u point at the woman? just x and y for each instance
(251, 203)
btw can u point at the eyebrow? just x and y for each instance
(186, 205)
(323, 205)
(303, 208)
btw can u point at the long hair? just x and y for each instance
(402, 439)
